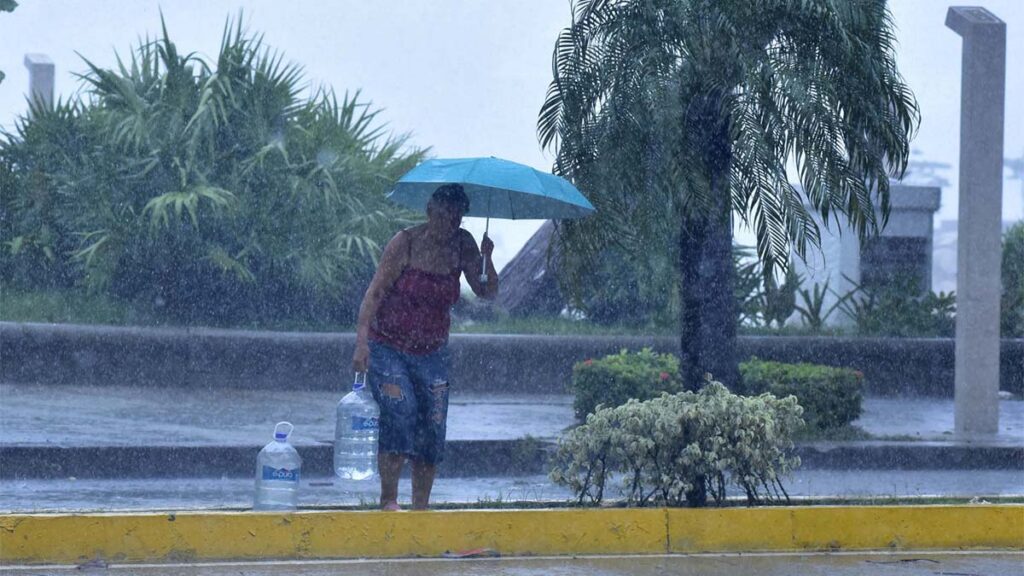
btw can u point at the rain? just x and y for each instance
(752, 260)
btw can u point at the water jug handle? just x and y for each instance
(360, 381)
(286, 434)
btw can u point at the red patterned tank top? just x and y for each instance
(415, 316)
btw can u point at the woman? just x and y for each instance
(402, 337)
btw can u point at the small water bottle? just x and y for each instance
(355, 433)
(277, 472)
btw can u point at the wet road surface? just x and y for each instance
(816, 564)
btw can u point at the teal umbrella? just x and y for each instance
(496, 189)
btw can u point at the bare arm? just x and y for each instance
(471, 266)
(392, 262)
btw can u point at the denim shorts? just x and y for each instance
(412, 393)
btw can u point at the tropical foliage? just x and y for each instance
(678, 449)
(901, 309)
(1013, 282)
(622, 288)
(812, 309)
(641, 290)
(675, 116)
(210, 189)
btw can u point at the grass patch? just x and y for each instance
(79, 307)
(828, 331)
(66, 307)
(556, 326)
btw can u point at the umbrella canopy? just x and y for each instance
(496, 189)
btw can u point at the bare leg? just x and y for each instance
(422, 483)
(390, 467)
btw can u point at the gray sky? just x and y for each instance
(463, 77)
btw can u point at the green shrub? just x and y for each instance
(830, 397)
(901, 309)
(214, 188)
(1013, 282)
(612, 380)
(676, 448)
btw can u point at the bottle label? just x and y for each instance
(280, 474)
(361, 423)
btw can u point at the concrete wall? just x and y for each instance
(101, 355)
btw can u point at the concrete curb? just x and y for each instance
(878, 455)
(466, 458)
(198, 536)
(463, 458)
(509, 363)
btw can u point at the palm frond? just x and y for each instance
(811, 83)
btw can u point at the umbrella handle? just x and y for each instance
(483, 258)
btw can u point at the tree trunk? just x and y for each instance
(692, 238)
(708, 310)
(719, 312)
(707, 279)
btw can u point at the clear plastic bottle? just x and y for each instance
(277, 473)
(355, 433)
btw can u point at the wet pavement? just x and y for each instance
(36, 495)
(34, 414)
(932, 419)
(37, 414)
(807, 564)
(51, 420)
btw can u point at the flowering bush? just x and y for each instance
(678, 448)
(612, 380)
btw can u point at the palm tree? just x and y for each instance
(219, 189)
(677, 116)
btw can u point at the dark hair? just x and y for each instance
(452, 195)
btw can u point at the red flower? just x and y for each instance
(588, 362)
(663, 376)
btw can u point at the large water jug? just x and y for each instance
(355, 433)
(277, 472)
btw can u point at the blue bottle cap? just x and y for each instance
(360, 382)
(281, 436)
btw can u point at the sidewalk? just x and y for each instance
(40, 414)
(54, 432)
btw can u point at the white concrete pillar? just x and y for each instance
(40, 78)
(982, 97)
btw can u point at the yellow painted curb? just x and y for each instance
(966, 527)
(194, 536)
